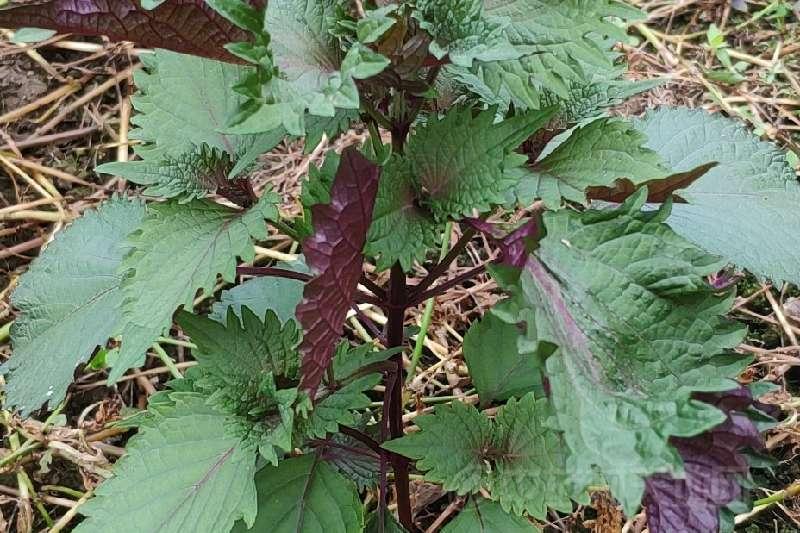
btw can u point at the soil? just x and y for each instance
(20, 82)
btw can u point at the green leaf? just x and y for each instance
(240, 13)
(461, 31)
(517, 457)
(401, 231)
(279, 295)
(339, 406)
(304, 49)
(390, 525)
(362, 63)
(562, 44)
(178, 250)
(240, 364)
(501, 362)
(305, 494)
(311, 59)
(449, 447)
(462, 162)
(68, 304)
(530, 471)
(596, 154)
(751, 196)
(485, 516)
(236, 355)
(638, 330)
(375, 23)
(31, 35)
(354, 460)
(183, 103)
(183, 469)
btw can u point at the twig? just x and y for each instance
(65, 90)
(86, 98)
(22, 248)
(765, 503)
(69, 515)
(64, 136)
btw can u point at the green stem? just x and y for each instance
(789, 492)
(20, 451)
(176, 342)
(63, 490)
(167, 360)
(24, 482)
(428, 314)
(444, 399)
(286, 229)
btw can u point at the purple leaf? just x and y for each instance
(187, 26)
(334, 255)
(513, 246)
(714, 463)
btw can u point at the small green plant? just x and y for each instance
(608, 363)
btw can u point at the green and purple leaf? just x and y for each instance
(714, 463)
(514, 246)
(334, 254)
(187, 26)
(638, 330)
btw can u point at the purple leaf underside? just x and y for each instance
(335, 255)
(187, 26)
(714, 462)
(513, 246)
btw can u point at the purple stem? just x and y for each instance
(447, 285)
(438, 270)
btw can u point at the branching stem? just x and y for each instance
(438, 270)
(447, 285)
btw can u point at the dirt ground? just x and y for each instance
(65, 105)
